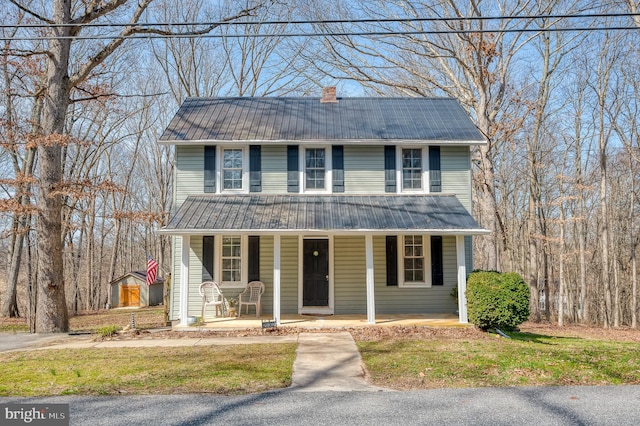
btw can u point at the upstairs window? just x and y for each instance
(411, 169)
(232, 169)
(315, 168)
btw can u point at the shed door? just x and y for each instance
(315, 289)
(130, 295)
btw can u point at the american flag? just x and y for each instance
(152, 270)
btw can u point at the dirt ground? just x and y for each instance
(379, 333)
(153, 317)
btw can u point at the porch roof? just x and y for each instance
(298, 213)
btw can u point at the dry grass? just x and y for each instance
(220, 369)
(395, 357)
(417, 358)
(145, 318)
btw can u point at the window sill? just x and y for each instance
(234, 191)
(414, 285)
(316, 191)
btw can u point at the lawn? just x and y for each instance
(395, 357)
(527, 359)
(224, 370)
(145, 318)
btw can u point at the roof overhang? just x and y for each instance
(367, 142)
(298, 214)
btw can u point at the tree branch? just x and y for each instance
(31, 12)
(94, 14)
(83, 73)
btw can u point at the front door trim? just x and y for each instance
(319, 310)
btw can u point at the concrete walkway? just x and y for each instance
(329, 362)
(324, 361)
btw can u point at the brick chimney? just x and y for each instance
(329, 95)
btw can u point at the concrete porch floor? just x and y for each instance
(326, 321)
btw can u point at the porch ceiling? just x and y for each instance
(296, 213)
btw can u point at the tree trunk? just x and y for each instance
(634, 274)
(10, 306)
(487, 201)
(32, 288)
(51, 312)
(604, 231)
(561, 286)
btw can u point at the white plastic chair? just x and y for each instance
(251, 296)
(212, 296)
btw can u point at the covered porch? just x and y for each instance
(354, 236)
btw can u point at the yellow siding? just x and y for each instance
(266, 273)
(176, 248)
(350, 281)
(289, 275)
(350, 288)
(195, 277)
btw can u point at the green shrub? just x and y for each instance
(107, 331)
(496, 300)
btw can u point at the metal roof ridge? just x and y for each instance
(196, 98)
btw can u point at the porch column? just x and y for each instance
(462, 280)
(371, 299)
(184, 280)
(276, 278)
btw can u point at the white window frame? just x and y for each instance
(244, 264)
(328, 168)
(426, 261)
(220, 170)
(424, 155)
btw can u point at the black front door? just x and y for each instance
(315, 288)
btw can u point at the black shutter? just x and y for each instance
(293, 184)
(392, 261)
(337, 157)
(254, 258)
(434, 169)
(390, 168)
(437, 272)
(209, 168)
(255, 168)
(207, 258)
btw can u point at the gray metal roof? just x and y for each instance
(209, 214)
(350, 120)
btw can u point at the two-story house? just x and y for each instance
(338, 205)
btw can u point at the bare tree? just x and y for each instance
(467, 63)
(243, 63)
(20, 80)
(61, 79)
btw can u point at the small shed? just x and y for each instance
(131, 290)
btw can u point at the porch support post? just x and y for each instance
(462, 280)
(371, 300)
(276, 278)
(184, 280)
